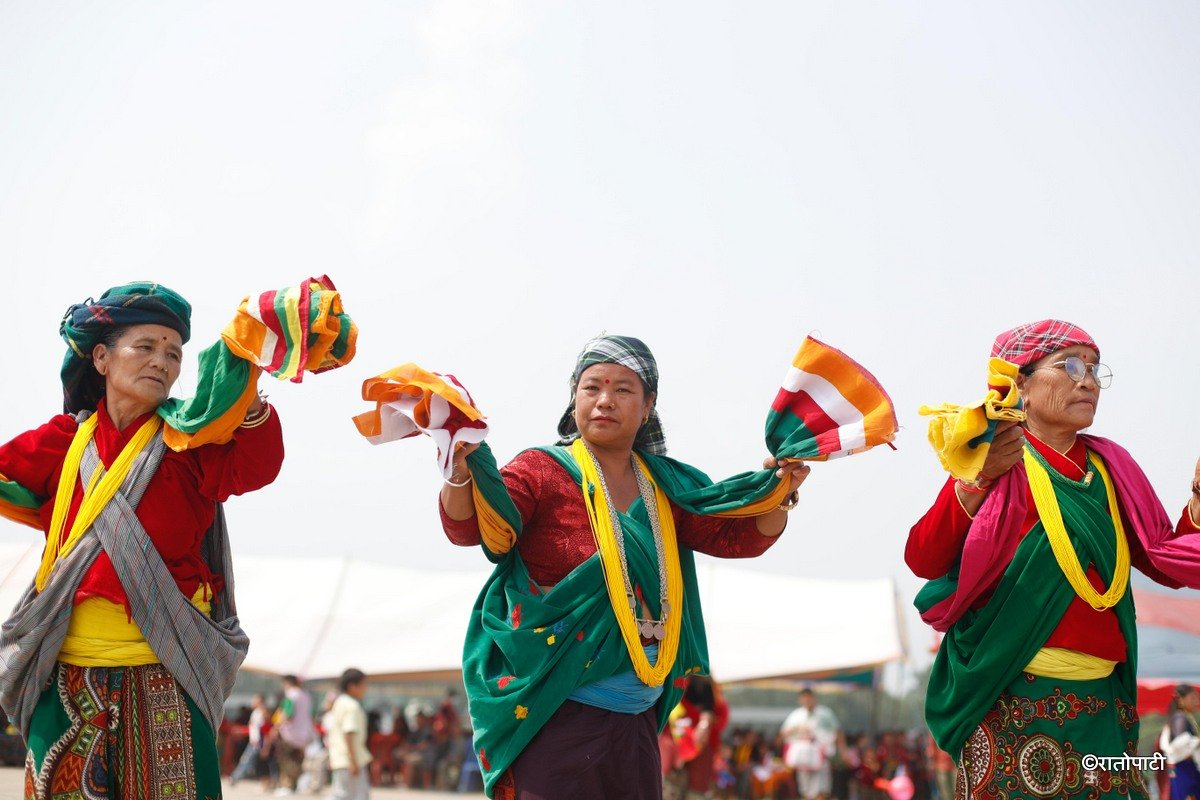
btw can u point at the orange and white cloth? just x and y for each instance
(411, 401)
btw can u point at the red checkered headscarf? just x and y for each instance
(1026, 343)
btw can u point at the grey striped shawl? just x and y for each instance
(202, 653)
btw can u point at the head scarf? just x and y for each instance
(633, 354)
(1026, 343)
(86, 324)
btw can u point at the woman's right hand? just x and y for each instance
(1008, 446)
(456, 496)
(461, 451)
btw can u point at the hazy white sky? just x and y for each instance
(492, 183)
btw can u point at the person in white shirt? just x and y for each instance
(346, 739)
(811, 736)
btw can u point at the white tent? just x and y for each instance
(317, 616)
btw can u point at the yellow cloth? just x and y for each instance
(1071, 665)
(96, 494)
(101, 634)
(953, 428)
(1060, 542)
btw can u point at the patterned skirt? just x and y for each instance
(127, 733)
(1033, 743)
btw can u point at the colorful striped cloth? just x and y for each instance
(828, 407)
(284, 332)
(293, 330)
(962, 435)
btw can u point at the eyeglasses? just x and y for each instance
(1077, 369)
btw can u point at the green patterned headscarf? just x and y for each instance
(630, 353)
(86, 324)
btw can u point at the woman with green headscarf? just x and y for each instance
(582, 641)
(117, 661)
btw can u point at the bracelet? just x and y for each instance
(459, 485)
(791, 501)
(972, 487)
(258, 419)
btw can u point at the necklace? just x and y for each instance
(1088, 474)
(616, 572)
(648, 628)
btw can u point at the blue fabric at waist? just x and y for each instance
(624, 692)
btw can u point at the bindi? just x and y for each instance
(607, 381)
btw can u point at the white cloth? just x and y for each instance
(810, 736)
(1180, 748)
(347, 718)
(397, 420)
(258, 718)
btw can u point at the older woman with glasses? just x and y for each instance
(1034, 686)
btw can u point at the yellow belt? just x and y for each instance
(1071, 665)
(101, 634)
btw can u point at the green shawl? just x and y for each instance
(527, 649)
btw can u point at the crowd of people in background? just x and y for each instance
(808, 757)
(421, 745)
(346, 747)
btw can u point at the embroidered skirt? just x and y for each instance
(102, 733)
(1033, 741)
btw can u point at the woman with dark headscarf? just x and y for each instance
(1034, 686)
(129, 606)
(617, 634)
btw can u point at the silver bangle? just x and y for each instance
(459, 485)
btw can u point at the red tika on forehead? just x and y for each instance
(1027, 343)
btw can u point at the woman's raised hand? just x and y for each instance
(1008, 445)
(461, 451)
(792, 470)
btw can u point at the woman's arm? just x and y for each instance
(456, 503)
(250, 461)
(935, 542)
(34, 459)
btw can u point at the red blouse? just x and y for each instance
(179, 502)
(556, 534)
(936, 541)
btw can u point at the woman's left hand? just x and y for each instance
(796, 471)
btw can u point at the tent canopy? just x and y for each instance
(316, 616)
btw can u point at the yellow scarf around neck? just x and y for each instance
(97, 492)
(1060, 541)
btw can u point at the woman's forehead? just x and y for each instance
(612, 372)
(153, 332)
(1078, 350)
